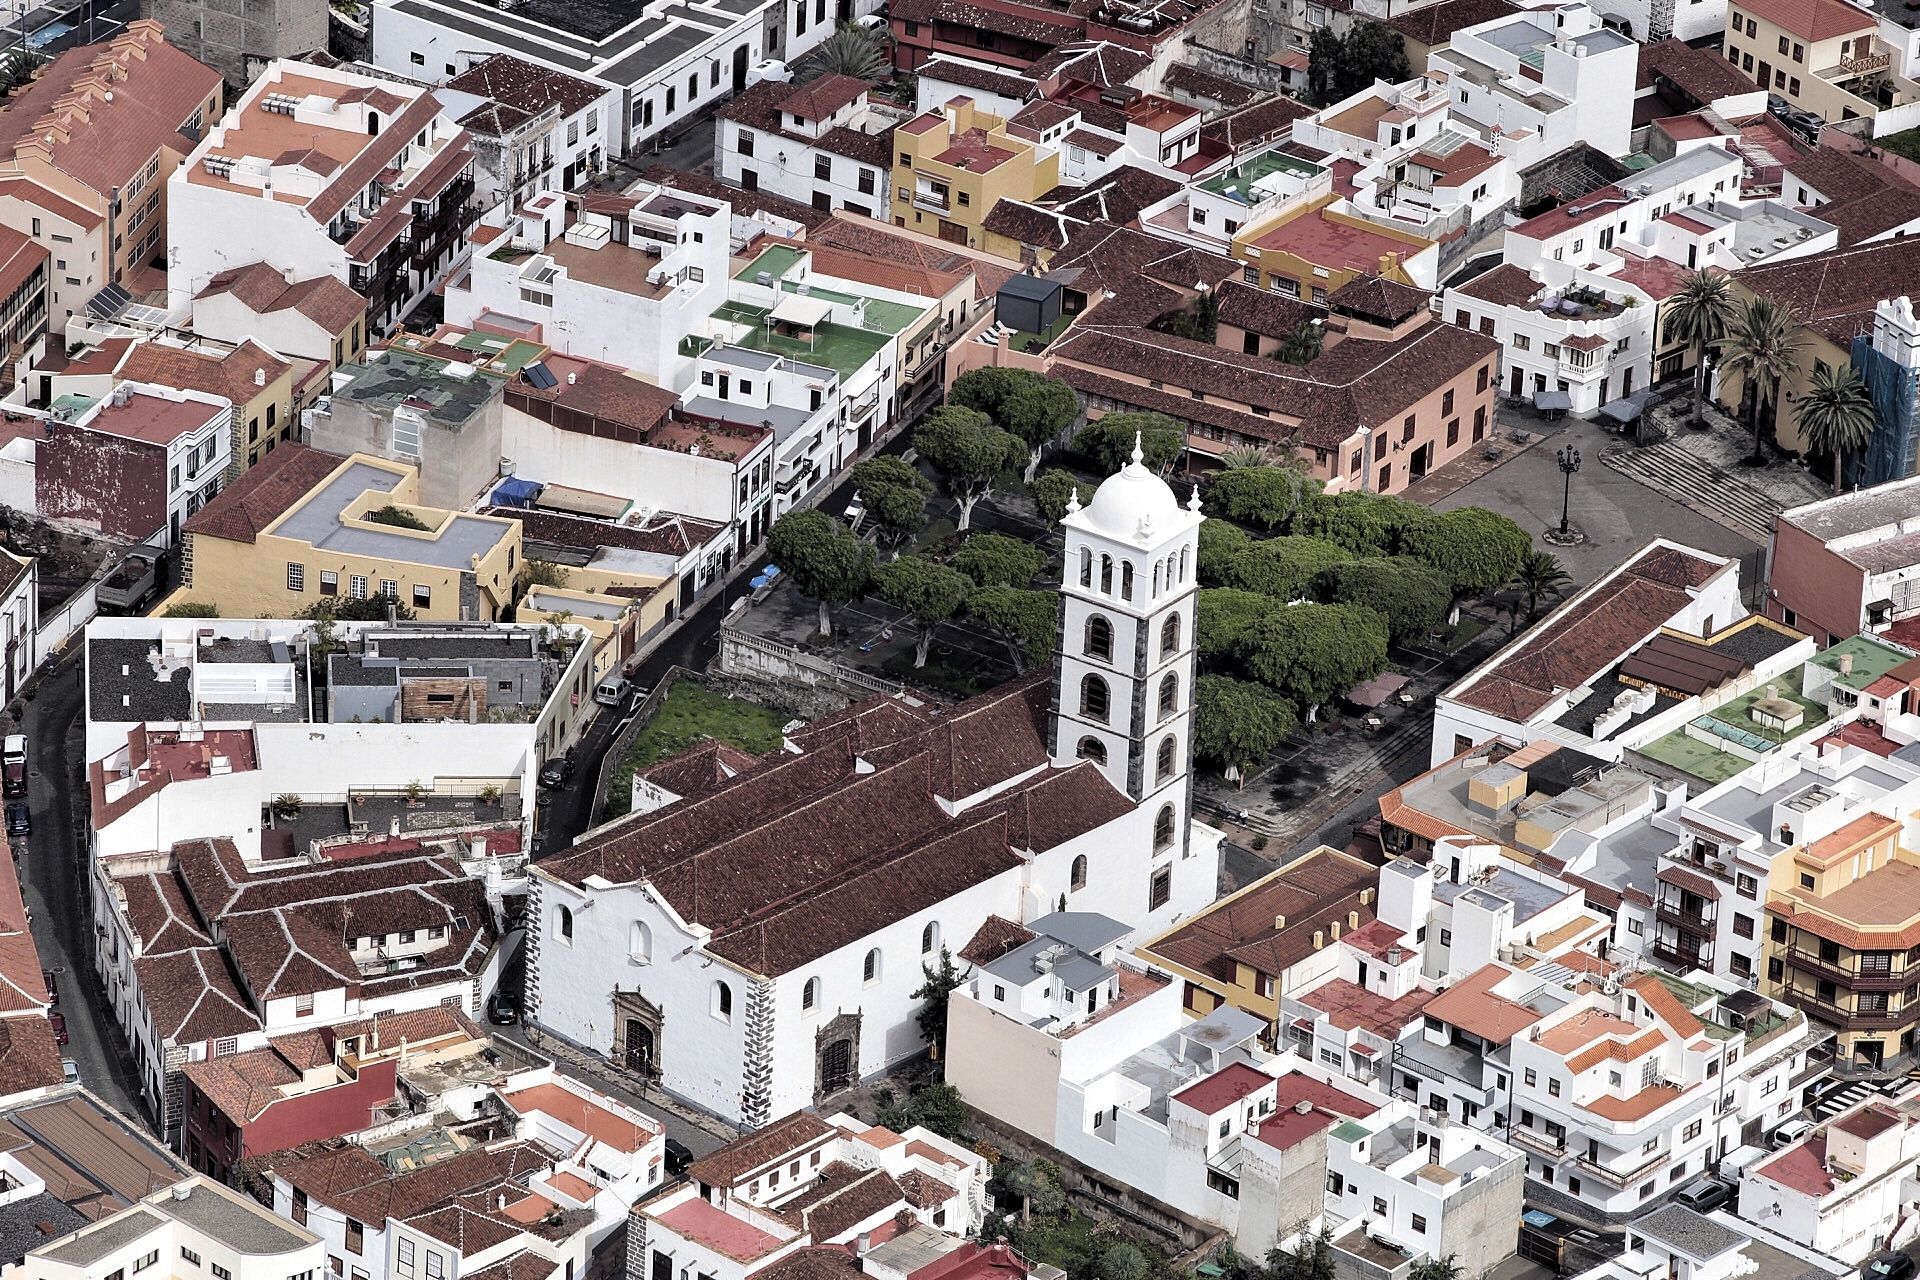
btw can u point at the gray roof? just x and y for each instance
(245, 1228)
(616, 42)
(21, 1222)
(1693, 1234)
(1087, 930)
(457, 646)
(138, 694)
(1875, 508)
(423, 384)
(317, 520)
(90, 1246)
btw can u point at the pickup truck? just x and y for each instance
(131, 586)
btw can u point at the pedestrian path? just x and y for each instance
(1676, 470)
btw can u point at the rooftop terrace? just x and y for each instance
(1246, 176)
(318, 519)
(441, 389)
(839, 347)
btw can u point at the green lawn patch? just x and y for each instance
(1905, 143)
(692, 713)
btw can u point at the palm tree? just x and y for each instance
(1762, 347)
(1241, 456)
(1540, 577)
(1698, 315)
(1447, 1268)
(1836, 414)
(849, 51)
(1301, 347)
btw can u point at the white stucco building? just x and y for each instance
(1544, 79)
(691, 945)
(192, 1224)
(1846, 1188)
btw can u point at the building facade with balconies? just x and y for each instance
(318, 171)
(1824, 56)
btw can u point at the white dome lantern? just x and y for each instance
(1131, 505)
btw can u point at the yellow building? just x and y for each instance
(1308, 249)
(1823, 56)
(1271, 938)
(1844, 924)
(300, 528)
(266, 390)
(616, 622)
(953, 165)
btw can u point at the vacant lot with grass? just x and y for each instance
(692, 713)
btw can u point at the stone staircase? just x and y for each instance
(1714, 492)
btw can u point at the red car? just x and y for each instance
(59, 1025)
(53, 989)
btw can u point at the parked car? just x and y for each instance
(19, 820)
(679, 1157)
(612, 691)
(1704, 1195)
(1791, 1132)
(71, 1070)
(503, 1009)
(13, 765)
(59, 1025)
(1889, 1266)
(53, 988)
(556, 771)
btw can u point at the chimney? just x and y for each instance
(259, 377)
(1279, 921)
(1319, 939)
(1336, 930)
(1353, 919)
(1393, 955)
(1366, 897)
(1846, 664)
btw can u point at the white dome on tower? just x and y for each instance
(1133, 503)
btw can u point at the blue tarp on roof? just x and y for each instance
(513, 492)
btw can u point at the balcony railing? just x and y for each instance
(1850, 1019)
(1624, 1177)
(1541, 1142)
(1865, 64)
(1859, 979)
(932, 202)
(1685, 957)
(1694, 922)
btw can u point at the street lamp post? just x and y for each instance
(1569, 463)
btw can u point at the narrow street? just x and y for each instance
(54, 881)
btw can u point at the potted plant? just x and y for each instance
(490, 794)
(416, 791)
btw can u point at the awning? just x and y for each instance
(1621, 411)
(513, 492)
(1302, 1024)
(1552, 401)
(805, 312)
(1377, 690)
(1365, 1051)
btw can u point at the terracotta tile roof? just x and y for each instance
(1586, 634)
(1263, 311)
(996, 936)
(110, 108)
(193, 996)
(524, 1265)
(1699, 74)
(1812, 20)
(1096, 62)
(31, 192)
(236, 375)
(243, 1085)
(1865, 199)
(1223, 1088)
(264, 492)
(764, 107)
(1473, 1005)
(586, 1115)
(1666, 1006)
(999, 80)
(1377, 939)
(924, 1191)
(816, 1262)
(375, 156)
(1376, 298)
(1353, 382)
(746, 860)
(1504, 286)
(1868, 828)
(527, 86)
(1351, 1007)
(348, 1178)
(819, 98)
(1265, 120)
(1192, 82)
(158, 912)
(729, 1164)
(1309, 895)
(841, 1197)
(744, 202)
(862, 235)
(29, 1058)
(1640, 1105)
(1435, 24)
(264, 290)
(699, 768)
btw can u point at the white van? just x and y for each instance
(612, 691)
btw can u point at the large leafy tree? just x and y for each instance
(1220, 542)
(1311, 1258)
(995, 560)
(895, 495)
(1411, 596)
(1698, 315)
(1312, 653)
(1283, 568)
(1340, 66)
(1034, 408)
(942, 980)
(1025, 621)
(1052, 490)
(826, 562)
(1264, 496)
(1367, 524)
(1762, 348)
(1302, 346)
(1237, 724)
(1109, 442)
(1836, 414)
(969, 452)
(1223, 617)
(1475, 549)
(928, 593)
